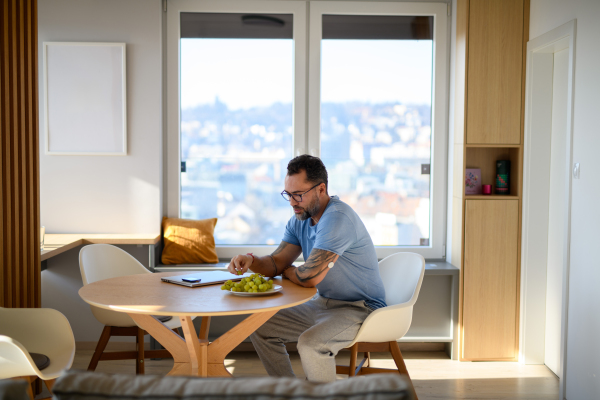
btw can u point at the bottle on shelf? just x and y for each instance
(503, 177)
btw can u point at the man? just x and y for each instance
(340, 261)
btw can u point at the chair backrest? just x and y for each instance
(402, 275)
(103, 261)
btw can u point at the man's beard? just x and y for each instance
(309, 211)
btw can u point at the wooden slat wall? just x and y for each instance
(19, 161)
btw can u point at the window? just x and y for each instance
(236, 123)
(376, 121)
(372, 104)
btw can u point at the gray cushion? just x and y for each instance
(96, 386)
(13, 389)
(41, 361)
(163, 318)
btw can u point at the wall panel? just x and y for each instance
(19, 165)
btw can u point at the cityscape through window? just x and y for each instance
(376, 133)
(237, 134)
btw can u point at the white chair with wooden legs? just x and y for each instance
(103, 261)
(35, 343)
(402, 275)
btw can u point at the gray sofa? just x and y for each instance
(96, 386)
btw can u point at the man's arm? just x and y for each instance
(313, 270)
(272, 265)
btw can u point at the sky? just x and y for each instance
(245, 73)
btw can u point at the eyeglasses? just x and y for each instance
(297, 197)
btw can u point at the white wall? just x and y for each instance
(103, 194)
(108, 194)
(583, 363)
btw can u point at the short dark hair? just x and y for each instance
(314, 167)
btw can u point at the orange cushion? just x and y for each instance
(188, 241)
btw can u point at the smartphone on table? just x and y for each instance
(191, 279)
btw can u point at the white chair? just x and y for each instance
(103, 261)
(26, 331)
(402, 275)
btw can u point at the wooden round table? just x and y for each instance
(144, 296)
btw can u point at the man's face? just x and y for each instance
(310, 206)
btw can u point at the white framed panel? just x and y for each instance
(536, 172)
(85, 98)
(174, 9)
(439, 104)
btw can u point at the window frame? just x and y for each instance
(439, 103)
(306, 106)
(173, 150)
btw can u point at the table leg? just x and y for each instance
(196, 347)
(170, 340)
(151, 262)
(220, 348)
(204, 327)
(194, 355)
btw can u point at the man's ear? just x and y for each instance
(322, 189)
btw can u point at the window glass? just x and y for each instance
(236, 125)
(376, 122)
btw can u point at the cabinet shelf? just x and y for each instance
(499, 146)
(485, 159)
(490, 197)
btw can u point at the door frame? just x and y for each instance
(536, 178)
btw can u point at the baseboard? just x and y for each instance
(246, 346)
(409, 347)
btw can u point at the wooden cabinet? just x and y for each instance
(495, 69)
(491, 37)
(490, 279)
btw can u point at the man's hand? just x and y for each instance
(270, 266)
(283, 275)
(240, 264)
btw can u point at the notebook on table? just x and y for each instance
(203, 278)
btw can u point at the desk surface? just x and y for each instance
(55, 244)
(146, 294)
(432, 267)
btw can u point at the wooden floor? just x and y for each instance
(435, 376)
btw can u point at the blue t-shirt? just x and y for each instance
(355, 275)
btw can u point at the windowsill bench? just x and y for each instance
(435, 316)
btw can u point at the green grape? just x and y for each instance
(252, 284)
